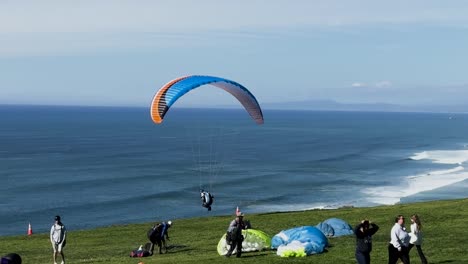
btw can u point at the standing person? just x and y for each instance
(58, 238)
(234, 235)
(364, 232)
(416, 237)
(158, 235)
(399, 242)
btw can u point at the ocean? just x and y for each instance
(100, 166)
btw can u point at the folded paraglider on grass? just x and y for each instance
(299, 242)
(254, 240)
(335, 227)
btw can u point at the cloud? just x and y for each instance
(383, 84)
(377, 85)
(358, 84)
(99, 23)
(187, 15)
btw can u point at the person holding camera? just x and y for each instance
(364, 232)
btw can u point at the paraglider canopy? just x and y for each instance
(339, 227)
(254, 240)
(326, 229)
(173, 90)
(299, 242)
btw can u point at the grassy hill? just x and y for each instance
(445, 225)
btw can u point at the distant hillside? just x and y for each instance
(330, 105)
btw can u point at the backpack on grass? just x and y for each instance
(141, 252)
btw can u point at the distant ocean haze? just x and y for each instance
(97, 166)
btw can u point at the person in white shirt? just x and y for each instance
(58, 236)
(399, 242)
(416, 237)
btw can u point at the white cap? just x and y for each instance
(169, 222)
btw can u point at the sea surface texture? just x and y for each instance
(99, 166)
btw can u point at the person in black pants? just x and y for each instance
(416, 237)
(234, 235)
(399, 242)
(364, 232)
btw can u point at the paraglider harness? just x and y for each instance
(234, 235)
(141, 252)
(207, 199)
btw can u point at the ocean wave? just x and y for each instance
(267, 208)
(414, 184)
(443, 156)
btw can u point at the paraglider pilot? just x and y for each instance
(158, 235)
(234, 235)
(207, 199)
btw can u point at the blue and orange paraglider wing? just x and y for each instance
(173, 90)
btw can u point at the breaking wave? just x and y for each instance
(414, 184)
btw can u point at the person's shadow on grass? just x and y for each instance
(177, 248)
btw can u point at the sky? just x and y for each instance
(119, 53)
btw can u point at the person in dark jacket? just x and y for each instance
(11, 258)
(364, 232)
(158, 235)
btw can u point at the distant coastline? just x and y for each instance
(330, 105)
(305, 105)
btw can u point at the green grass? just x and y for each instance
(194, 240)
